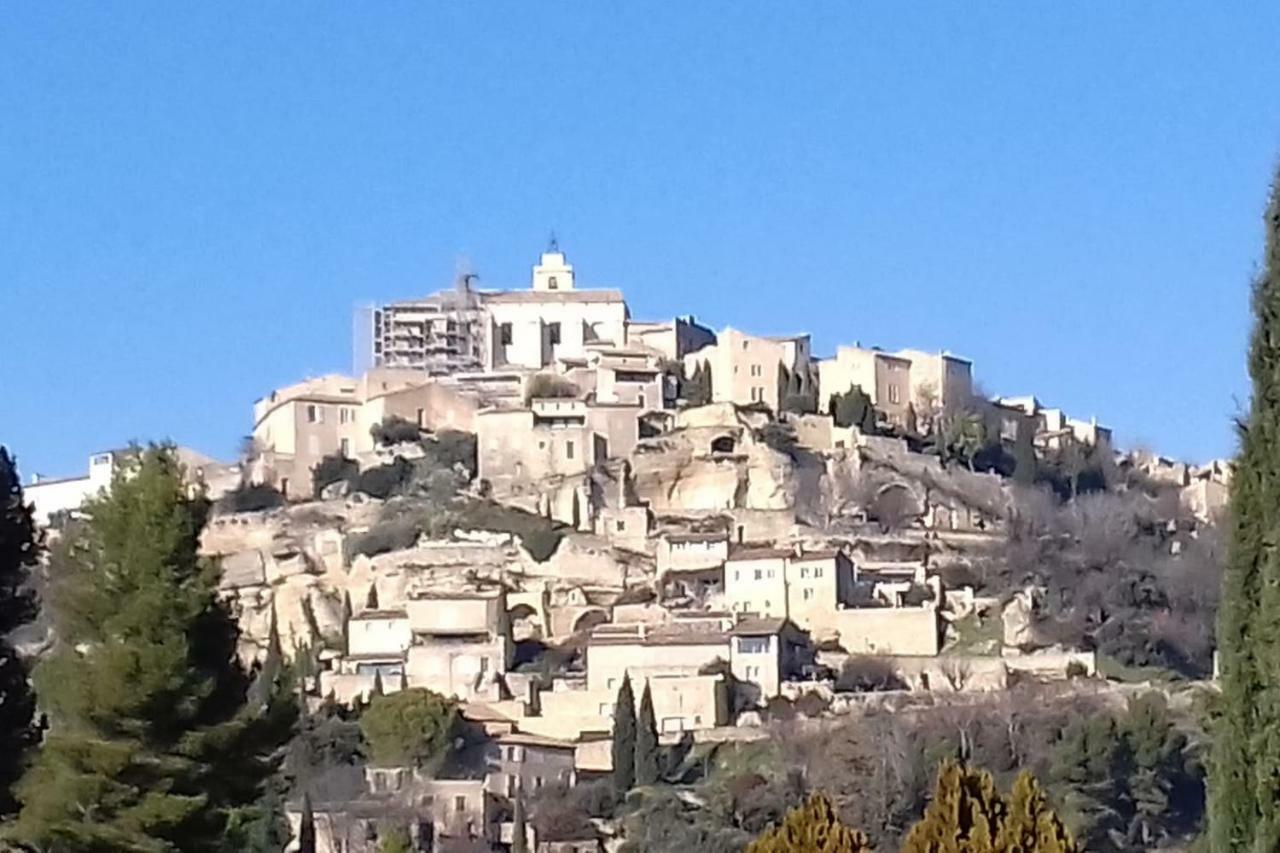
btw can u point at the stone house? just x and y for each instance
(747, 369)
(526, 762)
(672, 339)
(884, 377)
(692, 561)
(297, 426)
(790, 583)
(767, 652)
(461, 643)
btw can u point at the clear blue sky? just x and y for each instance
(194, 196)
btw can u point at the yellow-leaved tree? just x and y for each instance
(811, 828)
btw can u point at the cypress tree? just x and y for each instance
(1244, 798)
(155, 742)
(519, 830)
(624, 739)
(646, 741)
(19, 553)
(307, 827)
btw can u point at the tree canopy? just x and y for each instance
(154, 741)
(409, 727)
(1244, 799)
(19, 552)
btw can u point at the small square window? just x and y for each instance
(504, 334)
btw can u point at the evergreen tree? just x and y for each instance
(307, 827)
(647, 750)
(154, 743)
(519, 826)
(19, 551)
(854, 408)
(1024, 453)
(1030, 826)
(811, 828)
(1244, 806)
(968, 815)
(624, 739)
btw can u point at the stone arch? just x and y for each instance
(589, 618)
(526, 622)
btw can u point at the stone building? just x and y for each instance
(789, 583)
(297, 426)
(672, 339)
(552, 320)
(747, 369)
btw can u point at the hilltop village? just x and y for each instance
(527, 498)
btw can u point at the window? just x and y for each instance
(345, 445)
(460, 804)
(893, 394)
(552, 284)
(315, 414)
(756, 370)
(553, 333)
(817, 571)
(568, 450)
(808, 593)
(804, 572)
(771, 574)
(422, 418)
(504, 334)
(736, 574)
(753, 645)
(537, 782)
(759, 574)
(744, 344)
(344, 415)
(641, 400)
(619, 525)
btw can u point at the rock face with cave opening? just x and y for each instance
(712, 459)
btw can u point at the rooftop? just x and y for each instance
(542, 297)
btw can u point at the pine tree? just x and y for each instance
(624, 739)
(1244, 809)
(154, 743)
(811, 828)
(519, 828)
(307, 827)
(647, 757)
(19, 552)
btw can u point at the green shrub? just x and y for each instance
(333, 468)
(394, 535)
(384, 481)
(450, 448)
(251, 498)
(394, 430)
